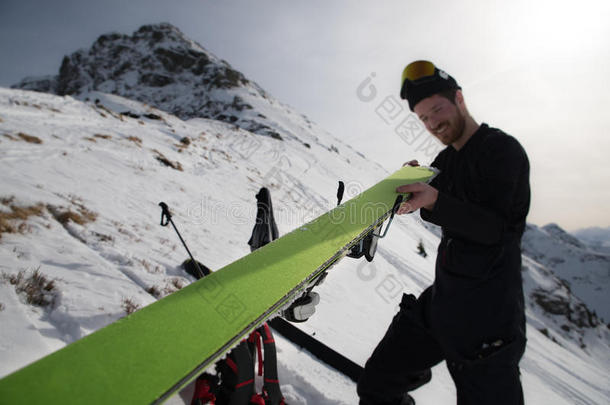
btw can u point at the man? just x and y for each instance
(473, 315)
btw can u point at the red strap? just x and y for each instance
(231, 364)
(269, 380)
(268, 335)
(244, 384)
(256, 337)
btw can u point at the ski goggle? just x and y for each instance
(418, 72)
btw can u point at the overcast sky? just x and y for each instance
(539, 70)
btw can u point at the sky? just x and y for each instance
(537, 70)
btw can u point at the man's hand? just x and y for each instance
(422, 195)
(413, 163)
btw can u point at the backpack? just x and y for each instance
(234, 383)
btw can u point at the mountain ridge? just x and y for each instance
(585, 271)
(596, 237)
(160, 66)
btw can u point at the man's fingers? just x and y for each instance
(422, 195)
(404, 208)
(409, 188)
(411, 163)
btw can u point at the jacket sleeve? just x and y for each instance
(500, 168)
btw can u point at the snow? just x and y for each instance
(124, 252)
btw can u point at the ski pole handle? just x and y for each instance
(166, 216)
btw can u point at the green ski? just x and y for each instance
(154, 352)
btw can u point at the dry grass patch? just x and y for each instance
(71, 216)
(184, 144)
(35, 287)
(129, 306)
(102, 237)
(149, 267)
(82, 215)
(7, 200)
(29, 138)
(170, 287)
(135, 140)
(13, 221)
(102, 136)
(161, 158)
(155, 291)
(100, 106)
(64, 216)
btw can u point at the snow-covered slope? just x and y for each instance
(80, 182)
(84, 158)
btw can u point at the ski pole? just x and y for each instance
(166, 218)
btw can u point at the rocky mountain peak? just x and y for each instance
(557, 232)
(160, 66)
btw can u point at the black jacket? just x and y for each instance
(483, 200)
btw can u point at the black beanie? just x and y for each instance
(415, 91)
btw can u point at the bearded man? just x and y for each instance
(473, 315)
